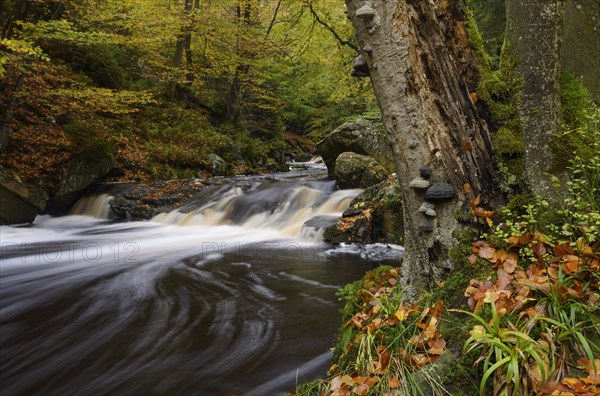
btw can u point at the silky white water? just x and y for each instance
(232, 293)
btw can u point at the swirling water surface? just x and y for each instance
(93, 307)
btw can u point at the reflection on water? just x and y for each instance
(178, 307)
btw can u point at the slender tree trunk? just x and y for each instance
(183, 45)
(534, 34)
(7, 115)
(581, 45)
(422, 70)
(244, 13)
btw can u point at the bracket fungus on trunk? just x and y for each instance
(440, 191)
(360, 68)
(419, 183)
(428, 208)
(369, 16)
(366, 12)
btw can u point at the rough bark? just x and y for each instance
(422, 70)
(534, 31)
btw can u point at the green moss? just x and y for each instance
(507, 143)
(579, 132)
(576, 101)
(500, 90)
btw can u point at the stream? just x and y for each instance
(233, 293)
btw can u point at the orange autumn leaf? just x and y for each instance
(510, 263)
(437, 347)
(394, 383)
(420, 359)
(438, 309)
(571, 267)
(487, 252)
(336, 383)
(513, 240)
(539, 249)
(361, 389)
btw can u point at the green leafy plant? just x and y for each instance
(510, 354)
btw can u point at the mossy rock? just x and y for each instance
(83, 171)
(375, 215)
(19, 202)
(359, 136)
(358, 171)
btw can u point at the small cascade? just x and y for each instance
(97, 206)
(288, 208)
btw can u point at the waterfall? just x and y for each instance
(97, 206)
(287, 208)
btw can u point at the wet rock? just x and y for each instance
(145, 200)
(359, 136)
(82, 172)
(218, 165)
(298, 148)
(19, 202)
(375, 215)
(358, 171)
(439, 191)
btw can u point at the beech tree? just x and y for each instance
(534, 35)
(424, 74)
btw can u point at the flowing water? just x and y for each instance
(232, 294)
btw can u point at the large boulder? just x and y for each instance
(19, 203)
(83, 171)
(359, 136)
(358, 171)
(375, 215)
(219, 165)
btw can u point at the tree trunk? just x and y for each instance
(581, 45)
(7, 115)
(244, 9)
(422, 70)
(534, 31)
(184, 40)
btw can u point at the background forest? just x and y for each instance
(159, 86)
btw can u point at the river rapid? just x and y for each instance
(232, 294)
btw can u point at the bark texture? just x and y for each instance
(581, 48)
(423, 71)
(534, 32)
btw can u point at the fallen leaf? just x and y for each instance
(361, 389)
(539, 249)
(510, 263)
(487, 252)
